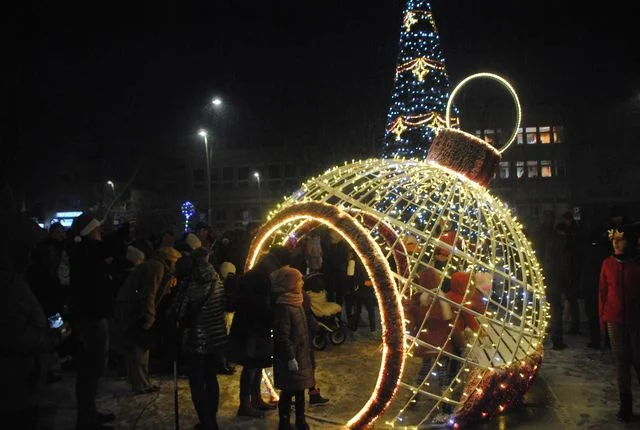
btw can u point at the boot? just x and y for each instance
(284, 413)
(301, 421)
(625, 413)
(246, 410)
(257, 402)
(315, 399)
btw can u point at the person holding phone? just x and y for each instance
(26, 339)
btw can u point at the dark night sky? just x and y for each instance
(112, 72)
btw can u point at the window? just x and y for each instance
(504, 170)
(290, 171)
(520, 169)
(546, 169)
(227, 174)
(520, 137)
(274, 171)
(532, 137)
(532, 169)
(243, 173)
(545, 135)
(557, 134)
(479, 134)
(490, 137)
(560, 168)
(198, 175)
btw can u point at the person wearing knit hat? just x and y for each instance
(293, 366)
(91, 306)
(136, 308)
(193, 241)
(430, 318)
(134, 255)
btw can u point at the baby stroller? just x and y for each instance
(331, 328)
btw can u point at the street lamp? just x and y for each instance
(203, 133)
(216, 101)
(257, 176)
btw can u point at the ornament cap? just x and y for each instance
(465, 154)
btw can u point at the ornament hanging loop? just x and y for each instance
(506, 85)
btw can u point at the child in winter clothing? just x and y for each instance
(293, 365)
(430, 319)
(618, 308)
(475, 299)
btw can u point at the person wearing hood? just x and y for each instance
(136, 310)
(91, 306)
(205, 337)
(293, 361)
(619, 301)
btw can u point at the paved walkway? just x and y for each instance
(575, 389)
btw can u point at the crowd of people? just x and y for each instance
(599, 264)
(126, 304)
(117, 302)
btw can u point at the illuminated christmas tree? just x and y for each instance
(421, 86)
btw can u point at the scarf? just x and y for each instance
(290, 298)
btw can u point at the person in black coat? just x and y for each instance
(91, 306)
(26, 339)
(250, 339)
(293, 367)
(205, 337)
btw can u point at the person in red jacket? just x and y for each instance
(619, 301)
(475, 299)
(430, 321)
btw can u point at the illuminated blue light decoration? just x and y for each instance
(421, 90)
(188, 210)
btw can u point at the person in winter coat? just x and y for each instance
(474, 299)
(619, 301)
(205, 337)
(315, 398)
(26, 339)
(91, 306)
(293, 365)
(136, 310)
(251, 344)
(43, 274)
(430, 320)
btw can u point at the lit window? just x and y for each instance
(546, 169)
(520, 169)
(545, 135)
(560, 168)
(532, 138)
(532, 169)
(520, 138)
(557, 134)
(479, 134)
(504, 170)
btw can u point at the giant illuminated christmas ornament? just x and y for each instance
(463, 312)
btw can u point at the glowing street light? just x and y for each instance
(257, 176)
(216, 101)
(203, 133)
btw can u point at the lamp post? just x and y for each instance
(203, 133)
(257, 176)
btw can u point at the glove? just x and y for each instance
(292, 365)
